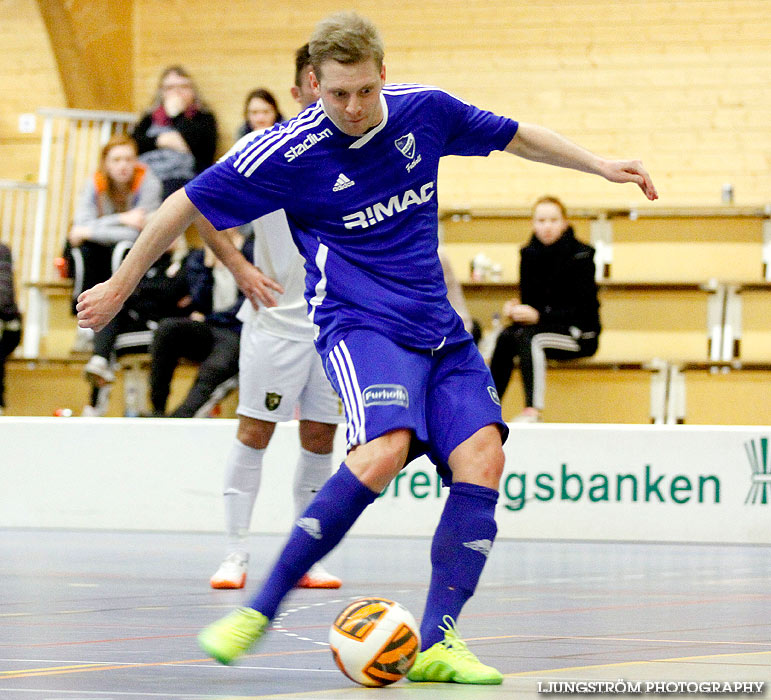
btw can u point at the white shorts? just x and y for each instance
(276, 374)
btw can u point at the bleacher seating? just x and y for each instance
(686, 287)
(722, 393)
(679, 288)
(40, 387)
(748, 330)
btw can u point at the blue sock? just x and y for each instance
(462, 541)
(317, 532)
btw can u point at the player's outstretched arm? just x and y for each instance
(98, 306)
(251, 281)
(546, 146)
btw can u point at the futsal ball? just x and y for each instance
(374, 641)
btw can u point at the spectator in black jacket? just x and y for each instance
(10, 319)
(210, 335)
(558, 315)
(177, 136)
(162, 292)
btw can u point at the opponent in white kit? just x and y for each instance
(278, 370)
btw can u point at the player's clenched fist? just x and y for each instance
(97, 306)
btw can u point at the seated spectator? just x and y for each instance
(210, 335)
(260, 112)
(161, 293)
(10, 318)
(113, 207)
(177, 136)
(558, 315)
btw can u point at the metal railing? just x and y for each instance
(41, 213)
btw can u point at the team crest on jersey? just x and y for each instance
(407, 147)
(272, 400)
(493, 395)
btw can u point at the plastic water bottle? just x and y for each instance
(131, 396)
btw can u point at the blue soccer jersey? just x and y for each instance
(362, 210)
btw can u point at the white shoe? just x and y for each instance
(232, 571)
(91, 412)
(98, 372)
(319, 577)
(84, 340)
(528, 416)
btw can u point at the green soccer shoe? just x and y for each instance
(451, 661)
(231, 636)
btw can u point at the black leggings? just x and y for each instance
(215, 348)
(9, 339)
(533, 344)
(92, 263)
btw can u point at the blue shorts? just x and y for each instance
(443, 396)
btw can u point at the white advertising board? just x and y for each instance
(590, 482)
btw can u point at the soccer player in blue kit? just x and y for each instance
(356, 175)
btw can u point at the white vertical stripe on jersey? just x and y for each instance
(320, 292)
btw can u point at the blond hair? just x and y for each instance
(347, 38)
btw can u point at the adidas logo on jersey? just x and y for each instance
(482, 546)
(311, 526)
(342, 183)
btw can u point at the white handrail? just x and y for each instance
(69, 151)
(20, 185)
(87, 114)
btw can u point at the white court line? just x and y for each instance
(134, 663)
(279, 623)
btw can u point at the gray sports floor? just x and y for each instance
(114, 615)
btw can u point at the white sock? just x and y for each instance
(243, 470)
(310, 474)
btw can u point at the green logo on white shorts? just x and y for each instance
(272, 400)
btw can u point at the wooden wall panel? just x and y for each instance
(92, 41)
(28, 80)
(681, 84)
(684, 85)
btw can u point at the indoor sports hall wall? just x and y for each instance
(682, 85)
(639, 483)
(29, 79)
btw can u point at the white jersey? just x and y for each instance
(277, 256)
